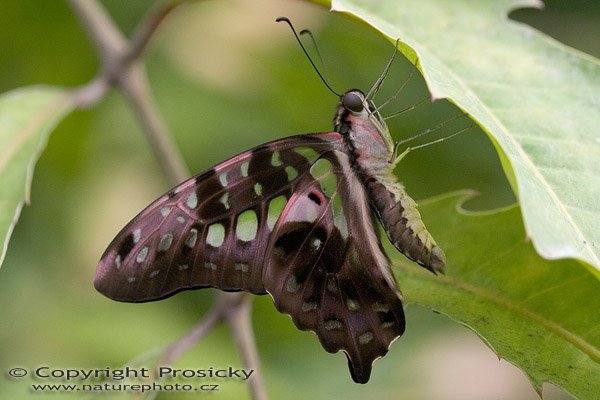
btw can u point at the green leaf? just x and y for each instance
(540, 315)
(27, 116)
(536, 98)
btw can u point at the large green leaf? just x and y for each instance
(537, 99)
(27, 116)
(540, 315)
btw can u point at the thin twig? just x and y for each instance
(241, 328)
(206, 324)
(121, 67)
(135, 86)
(146, 28)
(109, 42)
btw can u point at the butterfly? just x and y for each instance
(295, 218)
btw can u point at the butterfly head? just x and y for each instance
(358, 119)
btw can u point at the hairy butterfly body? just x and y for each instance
(294, 218)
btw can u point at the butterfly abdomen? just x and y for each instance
(403, 224)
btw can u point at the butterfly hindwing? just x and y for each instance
(211, 230)
(326, 269)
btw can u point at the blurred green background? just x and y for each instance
(226, 78)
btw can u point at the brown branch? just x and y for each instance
(239, 319)
(146, 28)
(121, 68)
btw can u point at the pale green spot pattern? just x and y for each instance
(365, 338)
(291, 172)
(328, 185)
(338, 216)
(307, 153)
(216, 235)
(258, 189)
(247, 226)
(276, 159)
(320, 168)
(276, 207)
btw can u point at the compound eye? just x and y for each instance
(353, 102)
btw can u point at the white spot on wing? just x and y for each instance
(352, 304)
(242, 267)
(379, 307)
(137, 234)
(192, 236)
(216, 235)
(209, 265)
(365, 338)
(165, 211)
(192, 200)
(315, 244)
(141, 256)
(223, 179)
(154, 273)
(244, 168)
(225, 200)
(333, 324)
(291, 284)
(165, 242)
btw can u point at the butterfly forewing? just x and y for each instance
(211, 230)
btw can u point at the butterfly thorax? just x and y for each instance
(372, 148)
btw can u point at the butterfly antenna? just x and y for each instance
(409, 149)
(420, 102)
(314, 42)
(393, 97)
(375, 88)
(286, 20)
